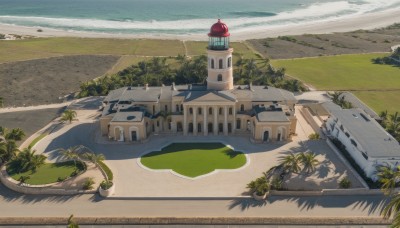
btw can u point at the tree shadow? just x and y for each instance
(371, 204)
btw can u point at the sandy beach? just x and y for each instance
(343, 24)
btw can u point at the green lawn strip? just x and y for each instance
(46, 174)
(107, 170)
(194, 159)
(37, 139)
(343, 72)
(15, 50)
(380, 100)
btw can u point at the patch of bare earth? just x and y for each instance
(45, 81)
(310, 45)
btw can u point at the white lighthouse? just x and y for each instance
(220, 74)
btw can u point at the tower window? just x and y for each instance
(220, 77)
(221, 64)
(212, 64)
(210, 111)
(230, 111)
(229, 62)
(199, 111)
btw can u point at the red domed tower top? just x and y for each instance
(219, 29)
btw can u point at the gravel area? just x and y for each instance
(45, 81)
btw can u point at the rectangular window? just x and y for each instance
(238, 123)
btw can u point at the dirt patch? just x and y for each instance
(45, 81)
(309, 45)
(29, 121)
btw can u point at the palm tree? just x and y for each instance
(8, 151)
(335, 96)
(71, 153)
(393, 209)
(72, 223)
(383, 115)
(68, 115)
(15, 134)
(28, 160)
(291, 163)
(96, 159)
(309, 161)
(388, 177)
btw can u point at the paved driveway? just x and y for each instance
(134, 181)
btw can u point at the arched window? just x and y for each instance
(220, 77)
(209, 111)
(229, 62)
(221, 64)
(242, 107)
(212, 63)
(191, 110)
(230, 111)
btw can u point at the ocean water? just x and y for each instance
(178, 16)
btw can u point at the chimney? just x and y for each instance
(146, 86)
(251, 86)
(173, 86)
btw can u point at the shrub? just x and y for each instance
(106, 184)
(314, 136)
(39, 30)
(61, 179)
(2, 36)
(88, 184)
(345, 183)
(260, 186)
(107, 170)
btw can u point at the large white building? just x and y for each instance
(219, 107)
(364, 138)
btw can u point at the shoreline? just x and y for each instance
(345, 24)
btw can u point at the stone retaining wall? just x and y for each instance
(199, 221)
(46, 189)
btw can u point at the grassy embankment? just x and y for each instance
(194, 159)
(47, 173)
(131, 51)
(376, 85)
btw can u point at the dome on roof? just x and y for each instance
(219, 29)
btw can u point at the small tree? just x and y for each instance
(291, 163)
(345, 183)
(88, 184)
(68, 115)
(314, 136)
(15, 134)
(260, 186)
(309, 161)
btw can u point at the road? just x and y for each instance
(17, 205)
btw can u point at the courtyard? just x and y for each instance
(132, 180)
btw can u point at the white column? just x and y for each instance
(234, 119)
(205, 129)
(194, 121)
(215, 125)
(185, 109)
(225, 120)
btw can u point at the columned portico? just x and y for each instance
(225, 120)
(205, 129)
(215, 120)
(194, 120)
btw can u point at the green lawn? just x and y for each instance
(16, 50)
(381, 100)
(369, 82)
(344, 72)
(37, 139)
(194, 159)
(48, 173)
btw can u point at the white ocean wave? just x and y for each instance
(312, 13)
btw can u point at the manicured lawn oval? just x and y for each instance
(194, 159)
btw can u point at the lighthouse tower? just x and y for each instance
(220, 74)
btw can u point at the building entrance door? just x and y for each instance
(133, 136)
(266, 136)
